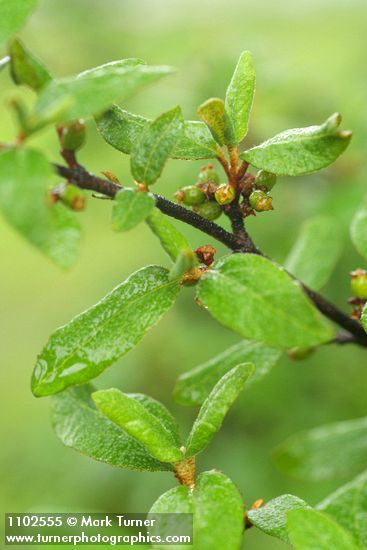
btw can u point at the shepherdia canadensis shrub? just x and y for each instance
(274, 309)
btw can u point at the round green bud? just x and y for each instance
(260, 201)
(73, 197)
(190, 195)
(208, 210)
(359, 283)
(225, 194)
(265, 179)
(72, 135)
(207, 173)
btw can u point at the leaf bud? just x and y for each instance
(225, 194)
(72, 135)
(265, 180)
(260, 201)
(190, 195)
(71, 196)
(359, 283)
(208, 210)
(205, 254)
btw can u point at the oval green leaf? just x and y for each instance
(95, 339)
(151, 152)
(26, 68)
(316, 454)
(216, 406)
(131, 415)
(13, 15)
(272, 517)
(348, 506)
(256, 298)
(316, 251)
(79, 425)
(309, 529)
(300, 150)
(217, 509)
(213, 113)
(122, 130)
(194, 386)
(240, 95)
(94, 90)
(130, 208)
(172, 241)
(24, 180)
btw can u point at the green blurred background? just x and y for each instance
(310, 58)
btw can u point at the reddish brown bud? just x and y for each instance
(205, 254)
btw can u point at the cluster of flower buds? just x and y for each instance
(207, 195)
(209, 198)
(358, 286)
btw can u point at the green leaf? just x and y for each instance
(358, 230)
(170, 238)
(256, 298)
(136, 420)
(316, 454)
(240, 95)
(272, 517)
(216, 406)
(364, 317)
(13, 15)
(348, 506)
(131, 207)
(195, 143)
(157, 409)
(24, 180)
(92, 91)
(95, 339)
(122, 130)
(316, 251)
(311, 530)
(184, 262)
(26, 68)
(300, 150)
(156, 143)
(78, 424)
(217, 510)
(193, 387)
(213, 113)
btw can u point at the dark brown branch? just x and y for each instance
(239, 241)
(83, 179)
(238, 228)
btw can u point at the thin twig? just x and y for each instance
(236, 242)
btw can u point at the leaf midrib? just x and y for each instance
(156, 145)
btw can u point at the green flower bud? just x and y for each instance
(260, 201)
(359, 283)
(265, 179)
(72, 135)
(190, 195)
(208, 210)
(207, 173)
(73, 197)
(225, 194)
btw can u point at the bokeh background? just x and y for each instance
(310, 58)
